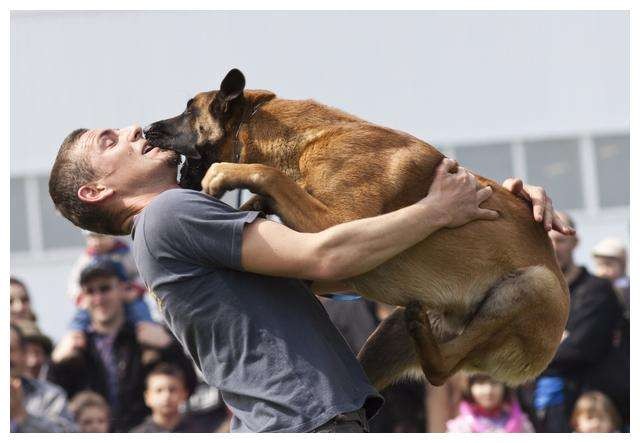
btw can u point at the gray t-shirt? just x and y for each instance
(265, 342)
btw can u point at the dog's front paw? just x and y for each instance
(220, 177)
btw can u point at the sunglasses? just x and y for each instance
(101, 289)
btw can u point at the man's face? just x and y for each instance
(563, 246)
(16, 355)
(105, 298)
(610, 268)
(165, 394)
(20, 305)
(126, 162)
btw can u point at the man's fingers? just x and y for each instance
(558, 225)
(538, 199)
(484, 194)
(448, 165)
(488, 214)
(548, 215)
(514, 185)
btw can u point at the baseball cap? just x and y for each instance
(610, 247)
(102, 268)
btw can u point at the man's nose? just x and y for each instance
(134, 132)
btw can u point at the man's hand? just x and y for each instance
(455, 195)
(542, 205)
(70, 345)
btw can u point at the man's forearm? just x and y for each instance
(355, 247)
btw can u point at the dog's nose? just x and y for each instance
(145, 130)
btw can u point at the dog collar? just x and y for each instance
(237, 144)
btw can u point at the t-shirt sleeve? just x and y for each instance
(193, 227)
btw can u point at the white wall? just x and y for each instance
(446, 77)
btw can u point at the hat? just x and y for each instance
(102, 268)
(32, 334)
(610, 247)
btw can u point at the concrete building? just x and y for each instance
(539, 95)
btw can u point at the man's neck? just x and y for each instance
(135, 204)
(109, 328)
(168, 422)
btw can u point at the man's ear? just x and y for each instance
(94, 193)
(231, 88)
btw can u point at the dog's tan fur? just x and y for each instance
(486, 297)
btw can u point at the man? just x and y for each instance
(610, 257)
(111, 360)
(263, 340)
(36, 405)
(593, 316)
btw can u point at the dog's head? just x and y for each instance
(203, 124)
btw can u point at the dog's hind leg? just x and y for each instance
(389, 353)
(503, 338)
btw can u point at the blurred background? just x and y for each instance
(539, 95)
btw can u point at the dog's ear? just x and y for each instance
(231, 88)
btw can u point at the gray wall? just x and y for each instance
(462, 81)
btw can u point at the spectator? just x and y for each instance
(594, 313)
(110, 361)
(594, 412)
(165, 394)
(20, 302)
(610, 257)
(90, 411)
(135, 308)
(36, 405)
(100, 246)
(489, 406)
(37, 349)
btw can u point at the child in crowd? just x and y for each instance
(166, 394)
(489, 406)
(595, 412)
(90, 411)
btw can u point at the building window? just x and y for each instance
(57, 231)
(555, 165)
(19, 226)
(490, 161)
(612, 157)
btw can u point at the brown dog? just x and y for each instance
(485, 297)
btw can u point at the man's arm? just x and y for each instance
(355, 247)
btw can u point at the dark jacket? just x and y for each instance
(87, 371)
(594, 314)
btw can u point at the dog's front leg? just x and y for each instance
(284, 197)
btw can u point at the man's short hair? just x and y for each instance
(70, 171)
(169, 370)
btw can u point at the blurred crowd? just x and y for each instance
(117, 369)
